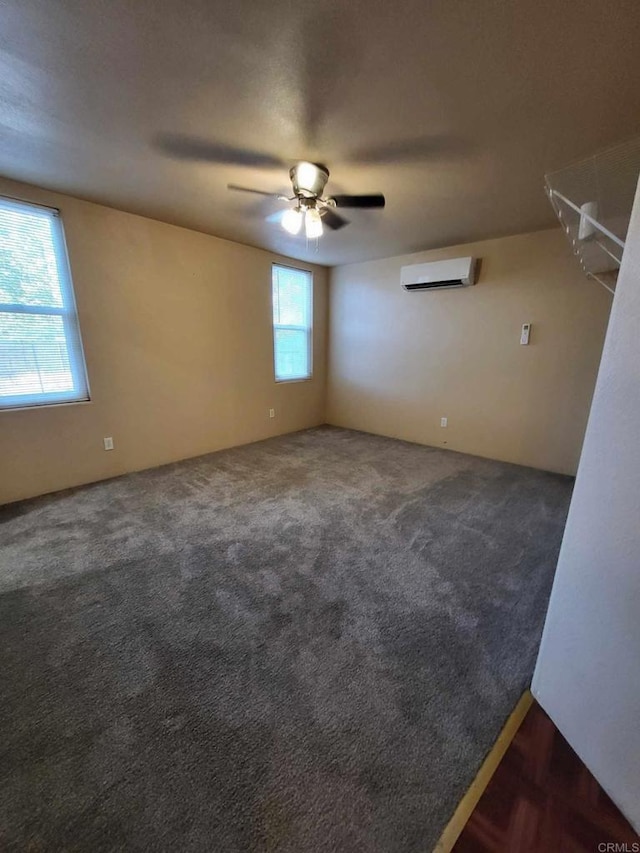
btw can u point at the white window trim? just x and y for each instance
(307, 329)
(68, 311)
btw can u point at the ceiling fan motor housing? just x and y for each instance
(309, 179)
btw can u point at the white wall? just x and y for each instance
(588, 672)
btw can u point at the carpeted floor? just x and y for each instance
(302, 645)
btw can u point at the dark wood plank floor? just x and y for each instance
(542, 799)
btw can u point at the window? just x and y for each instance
(292, 320)
(41, 357)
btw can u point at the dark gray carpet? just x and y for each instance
(306, 644)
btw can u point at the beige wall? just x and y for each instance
(178, 343)
(400, 361)
(177, 335)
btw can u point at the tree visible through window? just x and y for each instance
(41, 357)
(292, 322)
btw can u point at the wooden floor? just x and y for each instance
(542, 799)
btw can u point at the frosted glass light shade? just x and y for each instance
(292, 220)
(313, 224)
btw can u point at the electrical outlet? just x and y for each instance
(108, 443)
(272, 413)
(444, 422)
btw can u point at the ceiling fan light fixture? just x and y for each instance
(292, 220)
(308, 181)
(313, 224)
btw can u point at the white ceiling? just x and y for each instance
(454, 109)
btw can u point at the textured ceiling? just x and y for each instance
(454, 109)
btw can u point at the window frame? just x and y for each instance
(68, 312)
(308, 330)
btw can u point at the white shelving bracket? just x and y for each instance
(593, 201)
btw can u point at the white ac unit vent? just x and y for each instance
(439, 275)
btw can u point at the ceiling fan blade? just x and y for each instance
(332, 219)
(194, 148)
(237, 188)
(274, 217)
(433, 147)
(331, 50)
(372, 200)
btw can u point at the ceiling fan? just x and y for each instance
(310, 207)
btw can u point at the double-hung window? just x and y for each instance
(41, 358)
(292, 323)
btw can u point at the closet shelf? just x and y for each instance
(593, 201)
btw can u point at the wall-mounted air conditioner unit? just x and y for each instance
(439, 275)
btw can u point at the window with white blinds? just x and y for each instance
(41, 360)
(292, 323)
